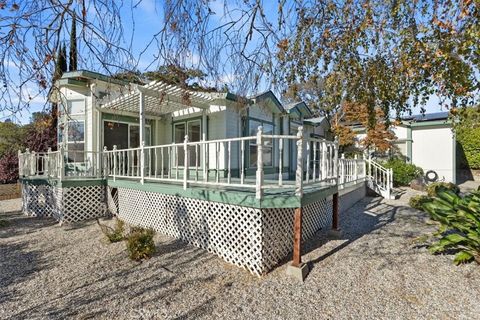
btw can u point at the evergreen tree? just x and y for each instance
(73, 45)
(60, 63)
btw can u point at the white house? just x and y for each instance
(230, 174)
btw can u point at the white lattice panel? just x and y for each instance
(40, 200)
(112, 200)
(83, 203)
(232, 232)
(278, 229)
(64, 204)
(256, 239)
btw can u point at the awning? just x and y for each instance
(159, 99)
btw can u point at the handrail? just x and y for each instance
(219, 162)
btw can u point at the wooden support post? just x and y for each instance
(297, 238)
(335, 212)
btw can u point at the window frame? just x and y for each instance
(254, 142)
(78, 113)
(186, 122)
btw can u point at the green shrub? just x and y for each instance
(459, 219)
(467, 134)
(3, 223)
(114, 234)
(140, 244)
(403, 173)
(417, 201)
(434, 187)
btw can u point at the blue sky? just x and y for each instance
(147, 17)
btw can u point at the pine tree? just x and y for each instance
(60, 63)
(73, 45)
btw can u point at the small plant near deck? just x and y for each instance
(417, 201)
(459, 219)
(433, 188)
(403, 173)
(115, 234)
(140, 244)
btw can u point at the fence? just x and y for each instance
(215, 163)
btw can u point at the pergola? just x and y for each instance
(158, 98)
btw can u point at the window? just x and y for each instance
(76, 107)
(193, 129)
(267, 146)
(75, 140)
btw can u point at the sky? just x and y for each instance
(147, 17)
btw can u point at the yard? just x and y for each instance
(376, 270)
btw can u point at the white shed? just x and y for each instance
(428, 141)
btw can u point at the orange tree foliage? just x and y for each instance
(377, 134)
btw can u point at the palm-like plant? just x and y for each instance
(459, 219)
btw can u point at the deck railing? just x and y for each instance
(215, 163)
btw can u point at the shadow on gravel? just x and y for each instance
(22, 224)
(366, 216)
(17, 264)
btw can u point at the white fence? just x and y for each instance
(191, 163)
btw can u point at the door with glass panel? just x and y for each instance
(193, 129)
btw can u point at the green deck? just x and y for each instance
(272, 198)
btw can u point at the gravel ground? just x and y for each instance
(375, 270)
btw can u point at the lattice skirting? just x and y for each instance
(255, 239)
(70, 204)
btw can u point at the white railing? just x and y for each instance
(379, 178)
(351, 171)
(60, 164)
(215, 163)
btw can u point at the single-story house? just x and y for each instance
(230, 174)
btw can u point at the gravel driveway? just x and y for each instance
(376, 270)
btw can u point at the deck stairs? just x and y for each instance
(380, 179)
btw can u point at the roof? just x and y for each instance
(90, 75)
(269, 95)
(299, 108)
(427, 117)
(316, 121)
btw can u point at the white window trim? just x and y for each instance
(128, 134)
(84, 107)
(67, 138)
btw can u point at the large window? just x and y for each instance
(123, 135)
(75, 107)
(75, 140)
(193, 129)
(267, 145)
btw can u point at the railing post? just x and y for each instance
(185, 162)
(342, 170)
(259, 180)
(47, 169)
(355, 168)
(388, 183)
(34, 163)
(299, 173)
(105, 168)
(335, 160)
(142, 162)
(114, 162)
(20, 163)
(61, 163)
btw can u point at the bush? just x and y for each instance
(433, 188)
(417, 201)
(4, 223)
(403, 173)
(114, 234)
(459, 219)
(467, 133)
(140, 244)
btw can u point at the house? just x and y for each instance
(229, 174)
(428, 141)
